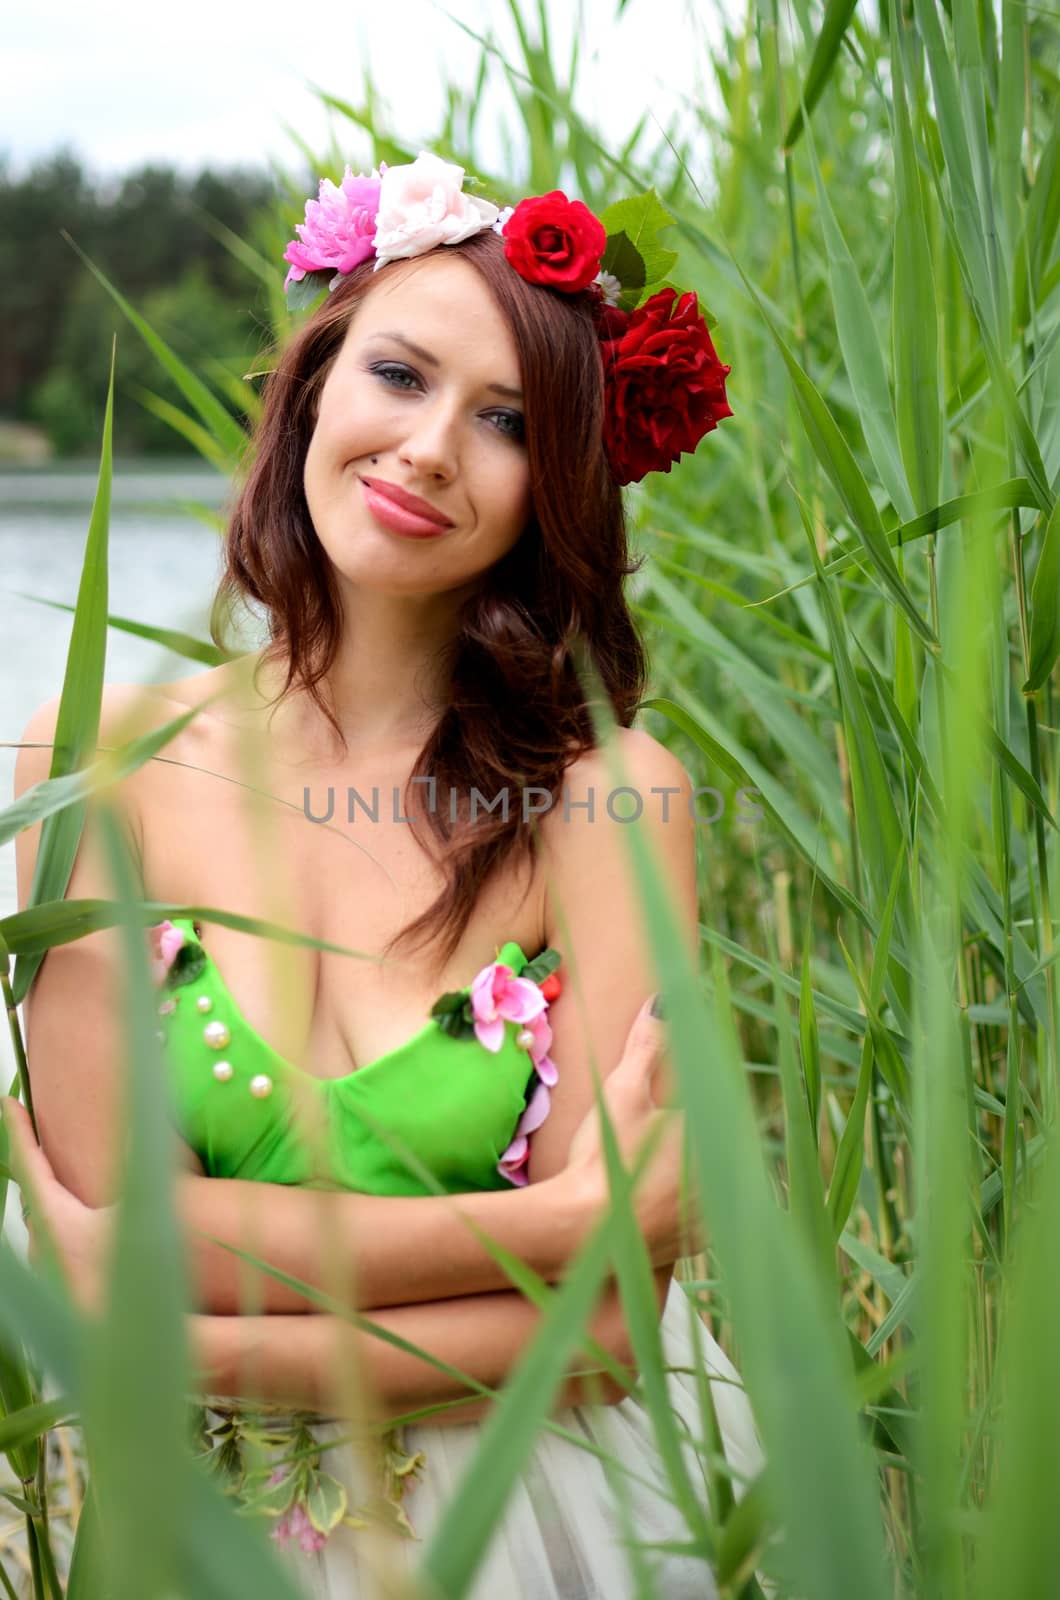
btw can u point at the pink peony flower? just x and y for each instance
(515, 1160)
(498, 996)
(338, 228)
(165, 942)
(296, 1525)
(422, 204)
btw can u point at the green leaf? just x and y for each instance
(846, 1171)
(1045, 606)
(914, 318)
(77, 722)
(635, 224)
(188, 964)
(25, 1426)
(625, 262)
(836, 21)
(181, 644)
(809, 1039)
(225, 429)
(325, 1502)
(860, 344)
(262, 1498)
(837, 458)
(449, 1004)
(542, 966)
(302, 293)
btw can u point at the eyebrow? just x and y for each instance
(425, 355)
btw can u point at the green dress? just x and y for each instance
(456, 1106)
(248, 1113)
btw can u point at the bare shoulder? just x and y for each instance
(595, 914)
(640, 780)
(639, 785)
(127, 711)
(641, 761)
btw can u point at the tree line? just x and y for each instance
(148, 233)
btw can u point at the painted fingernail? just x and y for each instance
(657, 1008)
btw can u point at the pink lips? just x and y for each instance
(401, 512)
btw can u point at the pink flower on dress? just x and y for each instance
(544, 1066)
(295, 1524)
(165, 942)
(338, 229)
(515, 1160)
(497, 997)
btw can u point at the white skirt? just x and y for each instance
(562, 1534)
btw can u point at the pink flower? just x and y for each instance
(422, 204)
(544, 1066)
(515, 1160)
(338, 228)
(165, 942)
(498, 996)
(296, 1525)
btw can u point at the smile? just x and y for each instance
(403, 513)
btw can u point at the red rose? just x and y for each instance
(665, 385)
(555, 241)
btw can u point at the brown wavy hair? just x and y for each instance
(517, 714)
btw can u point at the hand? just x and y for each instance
(631, 1105)
(82, 1235)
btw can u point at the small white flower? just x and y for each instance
(610, 285)
(502, 219)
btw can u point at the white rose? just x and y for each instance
(422, 204)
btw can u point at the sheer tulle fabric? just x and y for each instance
(561, 1535)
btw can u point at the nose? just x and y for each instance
(431, 449)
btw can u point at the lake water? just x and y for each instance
(163, 568)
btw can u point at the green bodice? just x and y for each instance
(448, 1101)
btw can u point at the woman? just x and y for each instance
(431, 527)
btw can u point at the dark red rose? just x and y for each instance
(555, 241)
(665, 387)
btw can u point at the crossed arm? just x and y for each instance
(420, 1273)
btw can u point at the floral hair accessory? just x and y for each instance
(338, 231)
(664, 386)
(422, 205)
(555, 241)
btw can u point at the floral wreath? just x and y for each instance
(664, 385)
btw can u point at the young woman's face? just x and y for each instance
(416, 475)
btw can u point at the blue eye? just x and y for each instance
(388, 370)
(518, 428)
(509, 424)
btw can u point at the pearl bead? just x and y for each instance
(204, 1003)
(167, 1008)
(261, 1086)
(222, 1071)
(216, 1035)
(524, 1038)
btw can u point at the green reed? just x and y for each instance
(852, 602)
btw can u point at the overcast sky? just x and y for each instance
(213, 81)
